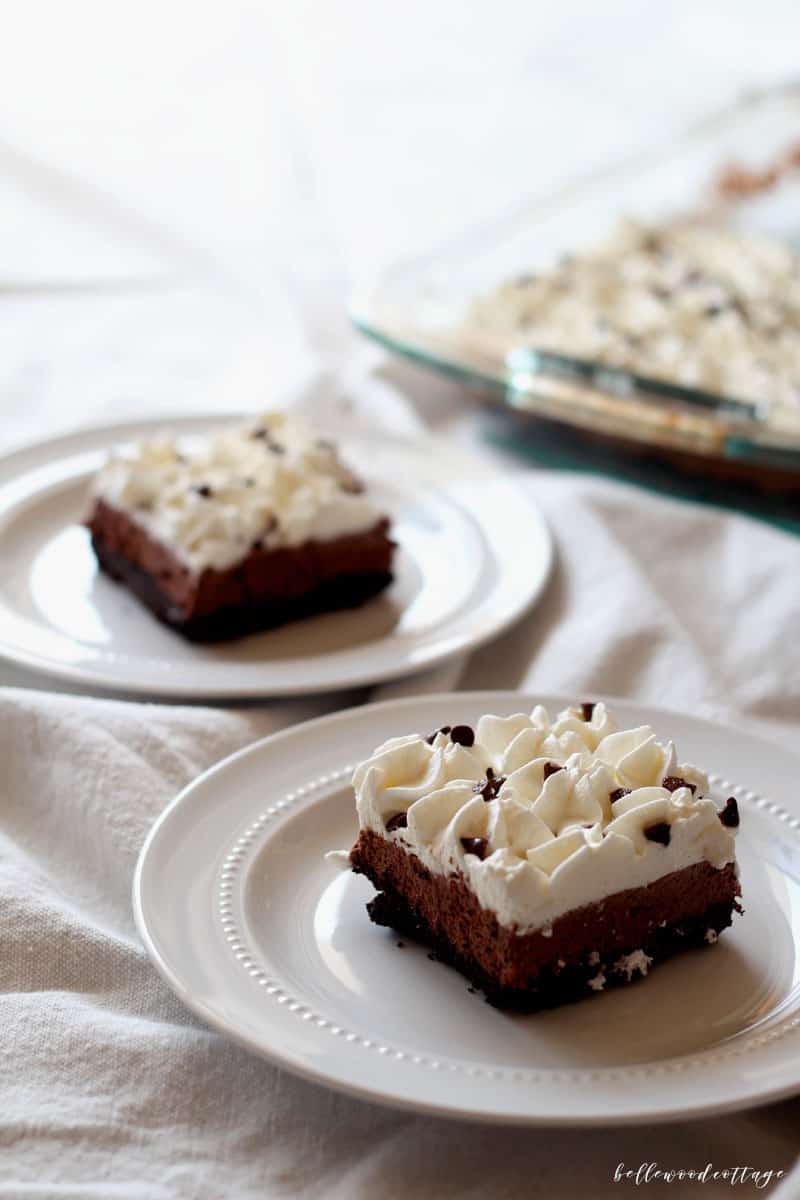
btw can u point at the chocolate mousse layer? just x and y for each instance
(265, 589)
(587, 949)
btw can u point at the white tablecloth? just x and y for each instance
(188, 192)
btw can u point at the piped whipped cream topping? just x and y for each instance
(272, 482)
(542, 816)
(693, 304)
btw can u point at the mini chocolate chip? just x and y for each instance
(587, 708)
(659, 832)
(352, 487)
(204, 490)
(398, 821)
(673, 782)
(550, 768)
(477, 846)
(490, 787)
(660, 292)
(618, 793)
(431, 738)
(325, 444)
(463, 735)
(729, 815)
(263, 435)
(714, 310)
(249, 483)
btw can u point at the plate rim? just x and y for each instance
(688, 1109)
(36, 453)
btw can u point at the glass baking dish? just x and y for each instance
(419, 308)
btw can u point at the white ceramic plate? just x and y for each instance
(474, 553)
(266, 941)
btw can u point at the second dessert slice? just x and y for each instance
(255, 526)
(547, 860)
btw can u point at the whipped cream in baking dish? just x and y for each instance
(271, 481)
(692, 304)
(543, 816)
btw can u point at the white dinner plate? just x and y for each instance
(264, 939)
(473, 554)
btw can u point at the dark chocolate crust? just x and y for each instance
(266, 589)
(533, 971)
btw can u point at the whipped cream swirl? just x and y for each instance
(542, 816)
(271, 482)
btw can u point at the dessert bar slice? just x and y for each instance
(546, 860)
(258, 525)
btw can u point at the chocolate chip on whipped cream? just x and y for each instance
(476, 846)
(430, 739)
(673, 782)
(489, 787)
(730, 813)
(658, 832)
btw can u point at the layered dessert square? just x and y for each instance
(545, 859)
(252, 527)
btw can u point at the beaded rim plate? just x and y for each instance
(459, 577)
(266, 941)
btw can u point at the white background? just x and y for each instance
(264, 155)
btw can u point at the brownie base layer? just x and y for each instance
(587, 949)
(267, 589)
